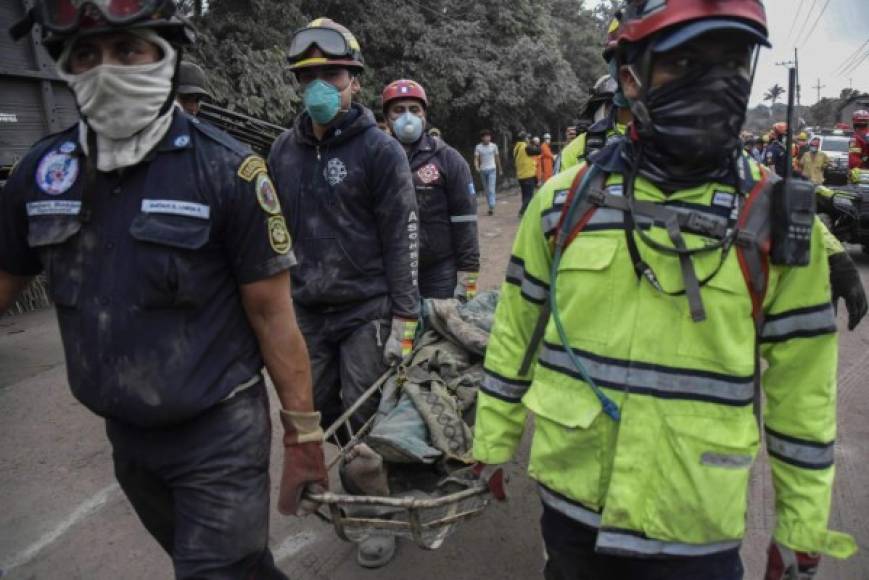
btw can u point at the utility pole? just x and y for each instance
(818, 87)
(797, 69)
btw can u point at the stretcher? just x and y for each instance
(421, 517)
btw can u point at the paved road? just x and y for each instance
(63, 516)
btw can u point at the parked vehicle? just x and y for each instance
(847, 213)
(835, 145)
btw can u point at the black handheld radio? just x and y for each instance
(793, 205)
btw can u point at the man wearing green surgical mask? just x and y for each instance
(354, 220)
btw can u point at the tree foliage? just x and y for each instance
(500, 64)
(774, 93)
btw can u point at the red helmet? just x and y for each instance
(684, 20)
(842, 126)
(402, 89)
(780, 128)
(860, 117)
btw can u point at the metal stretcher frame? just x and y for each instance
(428, 532)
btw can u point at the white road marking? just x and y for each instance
(85, 509)
(294, 544)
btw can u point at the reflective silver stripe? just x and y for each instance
(809, 321)
(641, 377)
(500, 387)
(803, 454)
(607, 216)
(612, 541)
(458, 219)
(549, 221)
(531, 289)
(571, 509)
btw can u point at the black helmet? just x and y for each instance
(192, 80)
(61, 20)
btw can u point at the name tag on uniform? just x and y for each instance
(53, 207)
(176, 207)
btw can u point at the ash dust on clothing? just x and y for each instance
(350, 205)
(147, 289)
(202, 488)
(346, 351)
(448, 239)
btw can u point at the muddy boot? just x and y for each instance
(376, 551)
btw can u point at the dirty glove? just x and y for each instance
(304, 466)
(466, 288)
(400, 341)
(785, 564)
(845, 283)
(494, 477)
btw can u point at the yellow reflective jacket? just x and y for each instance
(526, 165)
(574, 152)
(671, 477)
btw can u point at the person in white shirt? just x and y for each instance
(487, 162)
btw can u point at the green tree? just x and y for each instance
(773, 94)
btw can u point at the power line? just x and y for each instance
(796, 17)
(806, 21)
(854, 55)
(815, 25)
(856, 65)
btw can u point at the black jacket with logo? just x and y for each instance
(352, 211)
(447, 206)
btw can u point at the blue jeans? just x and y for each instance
(489, 177)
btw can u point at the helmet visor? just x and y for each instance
(66, 16)
(331, 42)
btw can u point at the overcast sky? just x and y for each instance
(838, 32)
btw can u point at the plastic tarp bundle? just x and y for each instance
(423, 410)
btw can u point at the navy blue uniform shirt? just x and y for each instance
(147, 288)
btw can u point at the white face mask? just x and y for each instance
(119, 101)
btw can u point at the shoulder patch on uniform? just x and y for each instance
(252, 166)
(279, 235)
(224, 139)
(266, 195)
(56, 172)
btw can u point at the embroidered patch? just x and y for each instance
(722, 199)
(266, 195)
(57, 172)
(252, 166)
(335, 171)
(53, 207)
(182, 140)
(67, 147)
(279, 236)
(176, 207)
(428, 173)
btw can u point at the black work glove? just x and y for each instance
(845, 282)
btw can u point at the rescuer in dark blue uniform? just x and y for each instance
(167, 256)
(347, 189)
(449, 252)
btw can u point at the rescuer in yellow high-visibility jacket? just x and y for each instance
(643, 385)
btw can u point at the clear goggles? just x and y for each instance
(330, 42)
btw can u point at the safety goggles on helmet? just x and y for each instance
(330, 42)
(67, 16)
